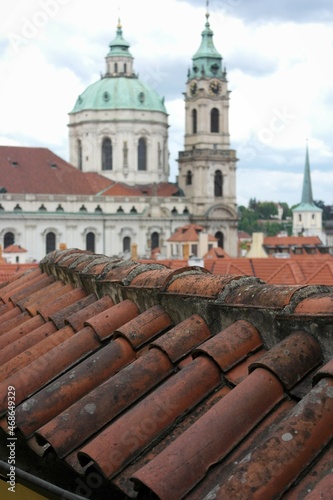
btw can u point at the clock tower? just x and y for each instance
(207, 166)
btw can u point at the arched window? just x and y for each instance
(50, 242)
(107, 154)
(8, 239)
(116, 67)
(142, 154)
(194, 121)
(126, 244)
(188, 178)
(125, 67)
(214, 120)
(79, 153)
(90, 242)
(220, 239)
(155, 240)
(218, 183)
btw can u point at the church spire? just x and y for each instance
(307, 187)
(207, 61)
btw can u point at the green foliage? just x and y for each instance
(260, 217)
(325, 208)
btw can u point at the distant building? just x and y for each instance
(117, 197)
(190, 240)
(14, 254)
(285, 247)
(307, 217)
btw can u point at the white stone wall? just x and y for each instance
(71, 226)
(124, 128)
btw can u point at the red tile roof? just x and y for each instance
(14, 249)
(292, 240)
(308, 270)
(189, 232)
(136, 380)
(40, 171)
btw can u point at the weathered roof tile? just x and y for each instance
(159, 381)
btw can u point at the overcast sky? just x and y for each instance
(278, 56)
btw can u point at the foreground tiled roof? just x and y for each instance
(138, 381)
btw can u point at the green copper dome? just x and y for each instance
(207, 61)
(119, 92)
(119, 88)
(119, 46)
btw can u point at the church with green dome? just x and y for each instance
(119, 125)
(114, 196)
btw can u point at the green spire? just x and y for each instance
(307, 187)
(119, 46)
(307, 204)
(207, 61)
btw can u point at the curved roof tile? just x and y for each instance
(180, 378)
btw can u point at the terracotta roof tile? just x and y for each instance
(42, 171)
(159, 381)
(187, 461)
(292, 359)
(287, 451)
(232, 345)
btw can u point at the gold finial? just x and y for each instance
(119, 26)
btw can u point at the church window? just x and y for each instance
(155, 240)
(126, 244)
(125, 67)
(9, 239)
(220, 239)
(90, 242)
(194, 121)
(50, 242)
(189, 178)
(106, 96)
(116, 67)
(218, 183)
(299, 218)
(142, 154)
(214, 120)
(79, 154)
(107, 154)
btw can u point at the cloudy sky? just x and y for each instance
(278, 56)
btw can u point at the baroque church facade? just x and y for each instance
(114, 196)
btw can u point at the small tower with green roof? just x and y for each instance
(307, 217)
(207, 166)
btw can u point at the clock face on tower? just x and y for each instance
(214, 87)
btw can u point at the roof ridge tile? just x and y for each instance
(291, 359)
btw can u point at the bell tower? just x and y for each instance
(207, 166)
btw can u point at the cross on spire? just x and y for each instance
(207, 9)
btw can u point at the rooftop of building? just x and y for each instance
(40, 171)
(184, 384)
